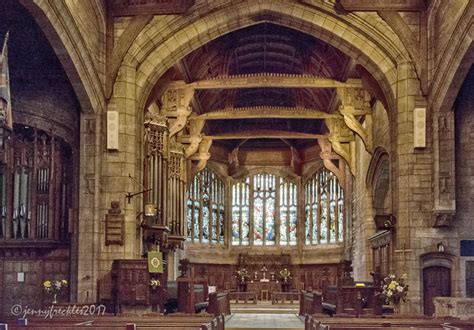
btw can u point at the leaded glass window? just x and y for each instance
(241, 212)
(270, 214)
(288, 212)
(206, 208)
(324, 209)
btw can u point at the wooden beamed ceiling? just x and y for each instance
(274, 51)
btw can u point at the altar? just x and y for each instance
(264, 290)
(264, 273)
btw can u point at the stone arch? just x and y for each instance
(346, 36)
(459, 54)
(378, 181)
(57, 23)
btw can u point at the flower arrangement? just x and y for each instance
(285, 274)
(394, 289)
(54, 287)
(242, 274)
(154, 283)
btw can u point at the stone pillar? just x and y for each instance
(87, 226)
(411, 186)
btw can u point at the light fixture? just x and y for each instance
(149, 210)
(440, 247)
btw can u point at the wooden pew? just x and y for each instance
(310, 303)
(151, 321)
(191, 292)
(219, 304)
(314, 322)
(358, 300)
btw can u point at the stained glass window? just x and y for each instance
(206, 208)
(324, 209)
(270, 215)
(241, 212)
(288, 212)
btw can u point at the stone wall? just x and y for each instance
(464, 224)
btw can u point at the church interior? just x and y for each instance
(201, 157)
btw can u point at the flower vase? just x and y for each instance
(55, 298)
(396, 309)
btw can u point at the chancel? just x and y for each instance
(192, 164)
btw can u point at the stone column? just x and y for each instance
(87, 225)
(411, 185)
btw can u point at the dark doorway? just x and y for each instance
(436, 283)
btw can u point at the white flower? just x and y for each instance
(389, 293)
(400, 288)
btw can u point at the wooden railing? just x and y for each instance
(310, 303)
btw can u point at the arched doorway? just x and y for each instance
(436, 278)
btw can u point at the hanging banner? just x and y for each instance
(155, 262)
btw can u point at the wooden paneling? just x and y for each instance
(315, 277)
(37, 267)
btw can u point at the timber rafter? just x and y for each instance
(277, 80)
(264, 134)
(266, 112)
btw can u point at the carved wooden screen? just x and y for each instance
(324, 209)
(35, 186)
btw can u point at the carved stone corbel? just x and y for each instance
(356, 102)
(328, 158)
(443, 218)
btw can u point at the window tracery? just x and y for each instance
(324, 209)
(206, 211)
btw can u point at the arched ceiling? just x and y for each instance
(264, 48)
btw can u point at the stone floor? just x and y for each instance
(264, 315)
(250, 321)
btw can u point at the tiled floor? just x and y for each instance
(264, 321)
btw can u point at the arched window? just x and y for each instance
(324, 209)
(35, 186)
(265, 205)
(206, 208)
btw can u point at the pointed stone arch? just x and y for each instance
(57, 23)
(155, 50)
(378, 181)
